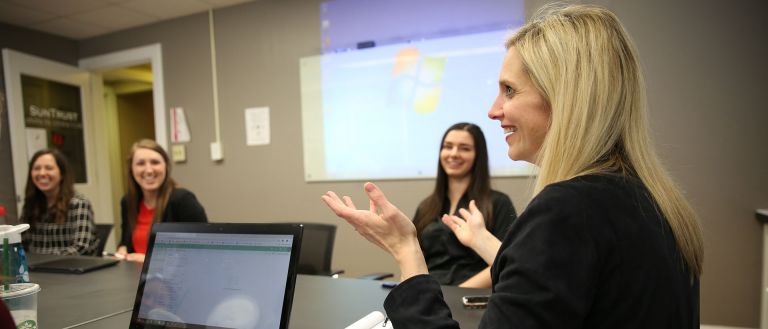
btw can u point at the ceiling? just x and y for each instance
(82, 19)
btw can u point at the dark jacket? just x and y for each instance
(182, 207)
(590, 252)
(449, 261)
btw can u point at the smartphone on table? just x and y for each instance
(479, 301)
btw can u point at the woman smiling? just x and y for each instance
(152, 197)
(61, 219)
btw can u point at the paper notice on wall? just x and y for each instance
(37, 139)
(257, 126)
(179, 128)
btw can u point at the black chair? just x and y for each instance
(102, 235)
(317, 252)
(317, 249)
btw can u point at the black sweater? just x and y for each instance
(591, 252)
(182, 207)
(449, 261)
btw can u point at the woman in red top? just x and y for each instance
(152, 197)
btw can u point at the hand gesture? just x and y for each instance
(471, 232)
(468, 228)
(384, 225)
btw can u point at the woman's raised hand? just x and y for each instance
(384, 225)
(471, 232)
(468, 228)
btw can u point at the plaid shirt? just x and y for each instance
(76, 236)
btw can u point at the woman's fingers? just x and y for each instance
(465, 213)
(348, 202)
(453, 222)
(377, 198)
(456, 220)
(473, 207)
(337, 206)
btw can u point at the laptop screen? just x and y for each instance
(218, 276)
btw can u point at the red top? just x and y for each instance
(141, 231)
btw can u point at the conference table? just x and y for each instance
(104, 299)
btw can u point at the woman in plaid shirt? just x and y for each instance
(61, 219)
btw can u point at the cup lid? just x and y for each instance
(12, 232)
(18, 290)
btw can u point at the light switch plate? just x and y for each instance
(179, 153)
(216, 154)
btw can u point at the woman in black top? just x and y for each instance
(463, 180)
(608, 240)
(152, 197)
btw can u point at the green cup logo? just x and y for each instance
(29, 324)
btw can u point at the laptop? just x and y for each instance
(213, 275)
(72, 264)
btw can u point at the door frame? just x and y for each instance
(16, 64)
(152, 54)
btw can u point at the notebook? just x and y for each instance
(212, 275)
(72, 264)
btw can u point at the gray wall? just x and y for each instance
(705, 69)
(33, 43)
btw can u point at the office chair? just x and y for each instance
(102, 235)
(317, 251)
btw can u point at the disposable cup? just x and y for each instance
(21, 300)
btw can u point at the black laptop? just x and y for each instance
(72, 264)
(211, 275)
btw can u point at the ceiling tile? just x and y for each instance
(167, 8)
(70, 28)
(14, 14)
(62, 8)
(114, 18)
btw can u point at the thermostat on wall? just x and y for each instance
(179, 153)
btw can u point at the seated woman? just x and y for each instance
(152, 197)
(60, 219)
(463, 181)
(609, 240)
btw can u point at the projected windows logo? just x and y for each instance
(416, 81)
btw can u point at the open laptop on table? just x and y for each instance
(210, 275)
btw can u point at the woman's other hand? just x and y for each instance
(469, 228)
(471, 232)
(135, 257)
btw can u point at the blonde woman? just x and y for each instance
(608, 241)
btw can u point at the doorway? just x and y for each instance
(129, 109)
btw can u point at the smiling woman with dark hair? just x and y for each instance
(61, 219)
(463, 182)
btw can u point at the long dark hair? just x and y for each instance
(479, 187)
(134, 194)
(35, 202)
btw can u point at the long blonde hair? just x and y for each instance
(584, 64)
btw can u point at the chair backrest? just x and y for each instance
(317, 249)
(102, 235)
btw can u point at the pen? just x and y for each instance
(388, 284)
(385, 322)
